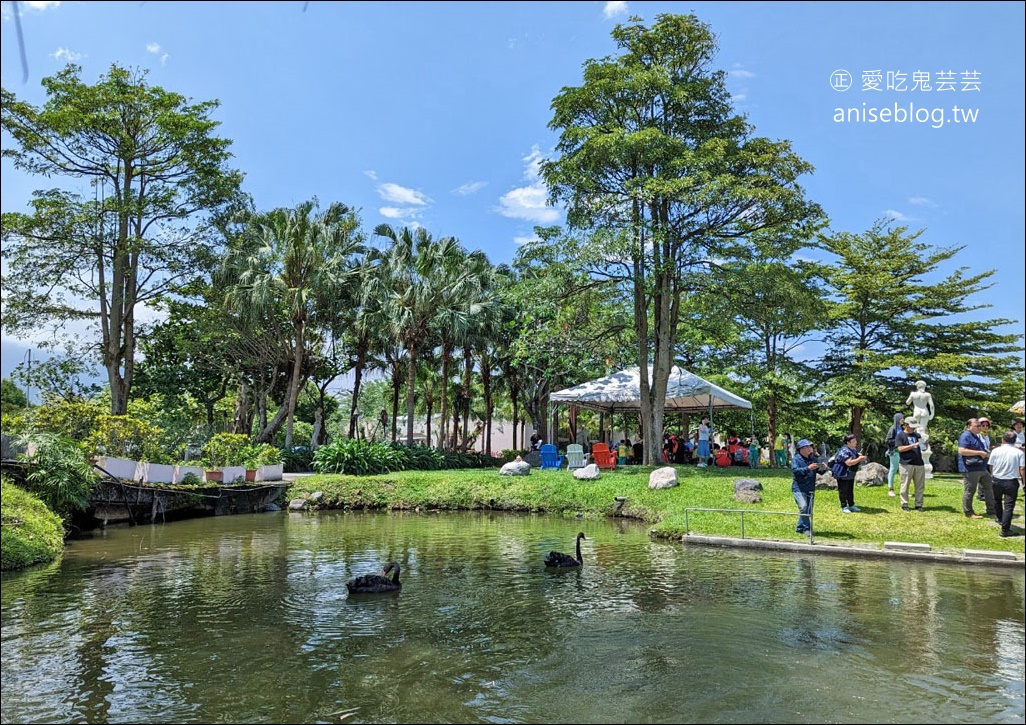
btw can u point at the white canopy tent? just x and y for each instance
(621, 393)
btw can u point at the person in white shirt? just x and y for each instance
(1006, 472)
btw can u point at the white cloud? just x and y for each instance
(37, 7)
(42, 5)
(740, 73)
(153, 48)
(738, 97)
(521, 241)
(402, 195)
(371, 174)
(529, 202)
(612, 9)
(395, 212)
(922, 201)
(896, 215)
(163, 58)
(471, 187)
(67, 55)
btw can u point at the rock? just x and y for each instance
(665, 477)
(871, 474)
(297, 504)
(826, 481)
(515, 468)
(747, 495)
(588, 473)
(746, 484)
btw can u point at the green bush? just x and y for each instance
(59, 472)
(261, 454)
(127, 437)
(226, 449)
(77, 421)
(356, 457)
(297, 459)
(31, 533)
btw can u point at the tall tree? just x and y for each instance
(297, 259)
(157, 171)
(891, 324)
(651, 150)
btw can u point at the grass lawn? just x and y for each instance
(941, 525)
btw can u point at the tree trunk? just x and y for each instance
(443, 408)
(295, 381)
(411, 386)
(361, 360)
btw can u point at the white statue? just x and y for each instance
(923, 412)
(922, 406)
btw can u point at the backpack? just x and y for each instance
(838, 467)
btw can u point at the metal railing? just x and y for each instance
(687, 522)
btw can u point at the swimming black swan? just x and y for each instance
(561, 560)
(376, 583)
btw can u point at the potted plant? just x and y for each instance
(270, 463)
(224, 457)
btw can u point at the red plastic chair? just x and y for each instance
(603, 457)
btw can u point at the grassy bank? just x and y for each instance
(31, 533)
(941, 525)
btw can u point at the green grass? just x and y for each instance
(941, 525)
(31, 533)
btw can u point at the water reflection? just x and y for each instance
(246, 619)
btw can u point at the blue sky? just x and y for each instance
(436, 113)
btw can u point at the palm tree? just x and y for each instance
(297, 259)
(423, 274)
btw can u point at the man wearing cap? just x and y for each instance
(972, 464)
(1006, 469)
(804, 466)
(910, 464)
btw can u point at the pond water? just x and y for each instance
(246, 619)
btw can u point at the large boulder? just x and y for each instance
(665, 477)
(826, 480)
(747, 484)
(515, 468)
(588, 473)
(871, 474)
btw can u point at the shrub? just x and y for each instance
(191, 479)
(127, 437)
(226, 449)
(76, 421)
(356, 457)
(297, 459)
(59, 473)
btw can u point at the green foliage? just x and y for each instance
(302, 432)
(356, 457)
(226, 449)
(58, 472)
(262, 454)
(177, 417)
(11, 396)
(128, 437)
(894, 320)
(191, 479)
(74, 420)
(297, 459)
(31, 533)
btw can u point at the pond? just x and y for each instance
(246, 619)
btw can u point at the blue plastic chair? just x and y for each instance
(550, 458)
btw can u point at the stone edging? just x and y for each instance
(851, 551)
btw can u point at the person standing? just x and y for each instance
(892, 452)
(753, 452)
(913, 470)
(1006, 470)
(846, 463)
(705, 431)
(1020, 439)
(780, 451)
(804, 467)
(973, 453)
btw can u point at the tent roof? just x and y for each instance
(621, 393)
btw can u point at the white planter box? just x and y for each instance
(181, 471)
(271, 472)
(154, 472)
(231, 473)
(118, 467)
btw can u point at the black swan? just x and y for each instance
(376, 583)
(561, 560)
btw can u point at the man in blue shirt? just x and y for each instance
(972, 464)
(804, 466)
